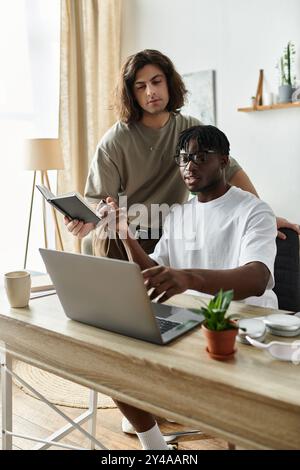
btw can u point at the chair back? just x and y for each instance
(286, 271)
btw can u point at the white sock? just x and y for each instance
(152, 439)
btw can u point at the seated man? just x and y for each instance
(222, 238)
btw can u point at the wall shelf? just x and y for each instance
(269, 108)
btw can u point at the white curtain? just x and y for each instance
(90, 61)
(29, 102)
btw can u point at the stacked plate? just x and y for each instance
(252, 327)
(280, 324)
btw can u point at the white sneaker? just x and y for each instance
(129, 429)
(172, 446)
(127, 426)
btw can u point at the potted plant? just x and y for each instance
(219, 328)
(286, 77)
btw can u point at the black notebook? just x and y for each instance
(72, 205)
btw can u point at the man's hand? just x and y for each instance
(78, 228)
(166, 281)
(113, 216)
(283, 223)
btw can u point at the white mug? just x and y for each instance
(17, 285)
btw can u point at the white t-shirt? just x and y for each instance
(228, 232)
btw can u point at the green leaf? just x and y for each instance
(227, 298)
(215, 312)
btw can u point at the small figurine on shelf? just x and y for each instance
(296, 95)
(296, 92)
(286, 73)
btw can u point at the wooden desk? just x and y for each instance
(252, 400)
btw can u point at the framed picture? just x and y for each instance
(201, 101)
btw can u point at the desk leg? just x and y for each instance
(6, 386)
(93, 399)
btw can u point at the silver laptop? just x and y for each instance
(110, 294)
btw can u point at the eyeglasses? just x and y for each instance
(183, 158)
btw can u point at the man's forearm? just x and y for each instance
(139, 256)
(246, 281)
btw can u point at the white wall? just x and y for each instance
(236, 38)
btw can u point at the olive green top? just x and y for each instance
(138, 162)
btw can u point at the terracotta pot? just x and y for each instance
(220, 344)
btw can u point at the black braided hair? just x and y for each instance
(207, 137)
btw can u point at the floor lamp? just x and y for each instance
(43, 155)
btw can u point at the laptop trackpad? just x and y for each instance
(177, 314)
(161, 311)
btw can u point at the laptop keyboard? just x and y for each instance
(166, 325)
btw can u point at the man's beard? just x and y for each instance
(208, 187)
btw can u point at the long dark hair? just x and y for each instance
(128, 110)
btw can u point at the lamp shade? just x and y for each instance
(43, 154)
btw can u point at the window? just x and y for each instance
(29, 104)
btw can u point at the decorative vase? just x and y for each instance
(220, 344)
(285, 93)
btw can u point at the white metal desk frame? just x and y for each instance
(7, 422)
(91, 414)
